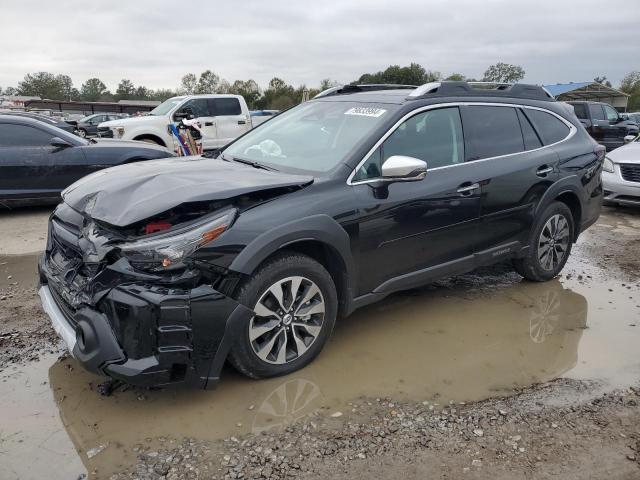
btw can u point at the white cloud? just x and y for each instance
(155, 42)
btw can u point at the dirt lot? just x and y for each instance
(478, 376)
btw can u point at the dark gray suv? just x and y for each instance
(157, 273)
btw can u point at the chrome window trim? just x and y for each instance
(572, 132)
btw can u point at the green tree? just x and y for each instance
(504, 73)
(249, 89)
(456, 77)
(125, 90)
(414, 74)
(94, 90)
(43, 85)
(142, 93)
(188, 84)
(631, 84)
(603, 80)
(162, 94)
(208, 82)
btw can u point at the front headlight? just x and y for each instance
(163, 251)
(607, 165)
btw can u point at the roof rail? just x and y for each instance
(362, 88)
(480, 89)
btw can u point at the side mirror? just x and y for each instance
(629, 138)
(399, 168)
(59, 143)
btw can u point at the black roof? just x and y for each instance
(405, 93)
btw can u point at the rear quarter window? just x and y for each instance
(491, 131)
(226, 106)
(581, 110)
(550, 128)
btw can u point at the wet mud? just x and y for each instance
(468, 338)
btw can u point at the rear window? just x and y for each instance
(226, 106)
(550, 128)
(597, 113)
(492, 131)
(581, 110)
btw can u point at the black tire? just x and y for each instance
(531, 266)
(288, 264)
(82, 133)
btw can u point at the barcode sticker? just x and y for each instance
(365, 111)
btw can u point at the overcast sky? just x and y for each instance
(155, 42)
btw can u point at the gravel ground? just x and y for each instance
(529, 435)
(25, 333)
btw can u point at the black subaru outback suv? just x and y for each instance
(158, 272)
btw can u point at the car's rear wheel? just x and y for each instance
(82, 133)
(550, 244)
(295, 305)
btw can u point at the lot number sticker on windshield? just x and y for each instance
(365, 111)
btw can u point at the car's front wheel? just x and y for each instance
(295, 304)
(549, 245)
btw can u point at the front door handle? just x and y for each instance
(544, 170)
(208, 124)
(242, 122)
(467, 188)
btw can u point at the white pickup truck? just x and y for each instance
(223, 118)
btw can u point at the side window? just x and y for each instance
(550, 128)
(226, 106)
(531, 139)
(612, 113)
(12, 135)
(581, 110)
(596, 111)
(492, 131)
(434, 136)
(198, 106)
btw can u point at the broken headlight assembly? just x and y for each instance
(168, 250)
(607, 165)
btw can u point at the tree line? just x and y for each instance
(278, 95)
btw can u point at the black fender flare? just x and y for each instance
(320, 228)
(570, 184)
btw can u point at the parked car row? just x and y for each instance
(604, 123)
(38, 159)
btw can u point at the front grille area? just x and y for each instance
(630, 172)
(67, 310)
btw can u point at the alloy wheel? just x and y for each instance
(553, 242)
(288, 320)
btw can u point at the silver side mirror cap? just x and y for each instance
(399, 168)
(627, 139)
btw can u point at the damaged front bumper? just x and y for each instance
(139, 328)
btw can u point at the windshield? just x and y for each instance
(313, 137)
(166, 106)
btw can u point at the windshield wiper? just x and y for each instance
(248, 162)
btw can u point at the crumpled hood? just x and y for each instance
(130, 193)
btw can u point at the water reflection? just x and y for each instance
(416, 345)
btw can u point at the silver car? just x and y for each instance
(621, 174)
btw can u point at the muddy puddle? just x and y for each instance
(464, 339)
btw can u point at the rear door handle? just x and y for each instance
(208, 124)
(543, 170)
(467, 188)
(241, 122)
